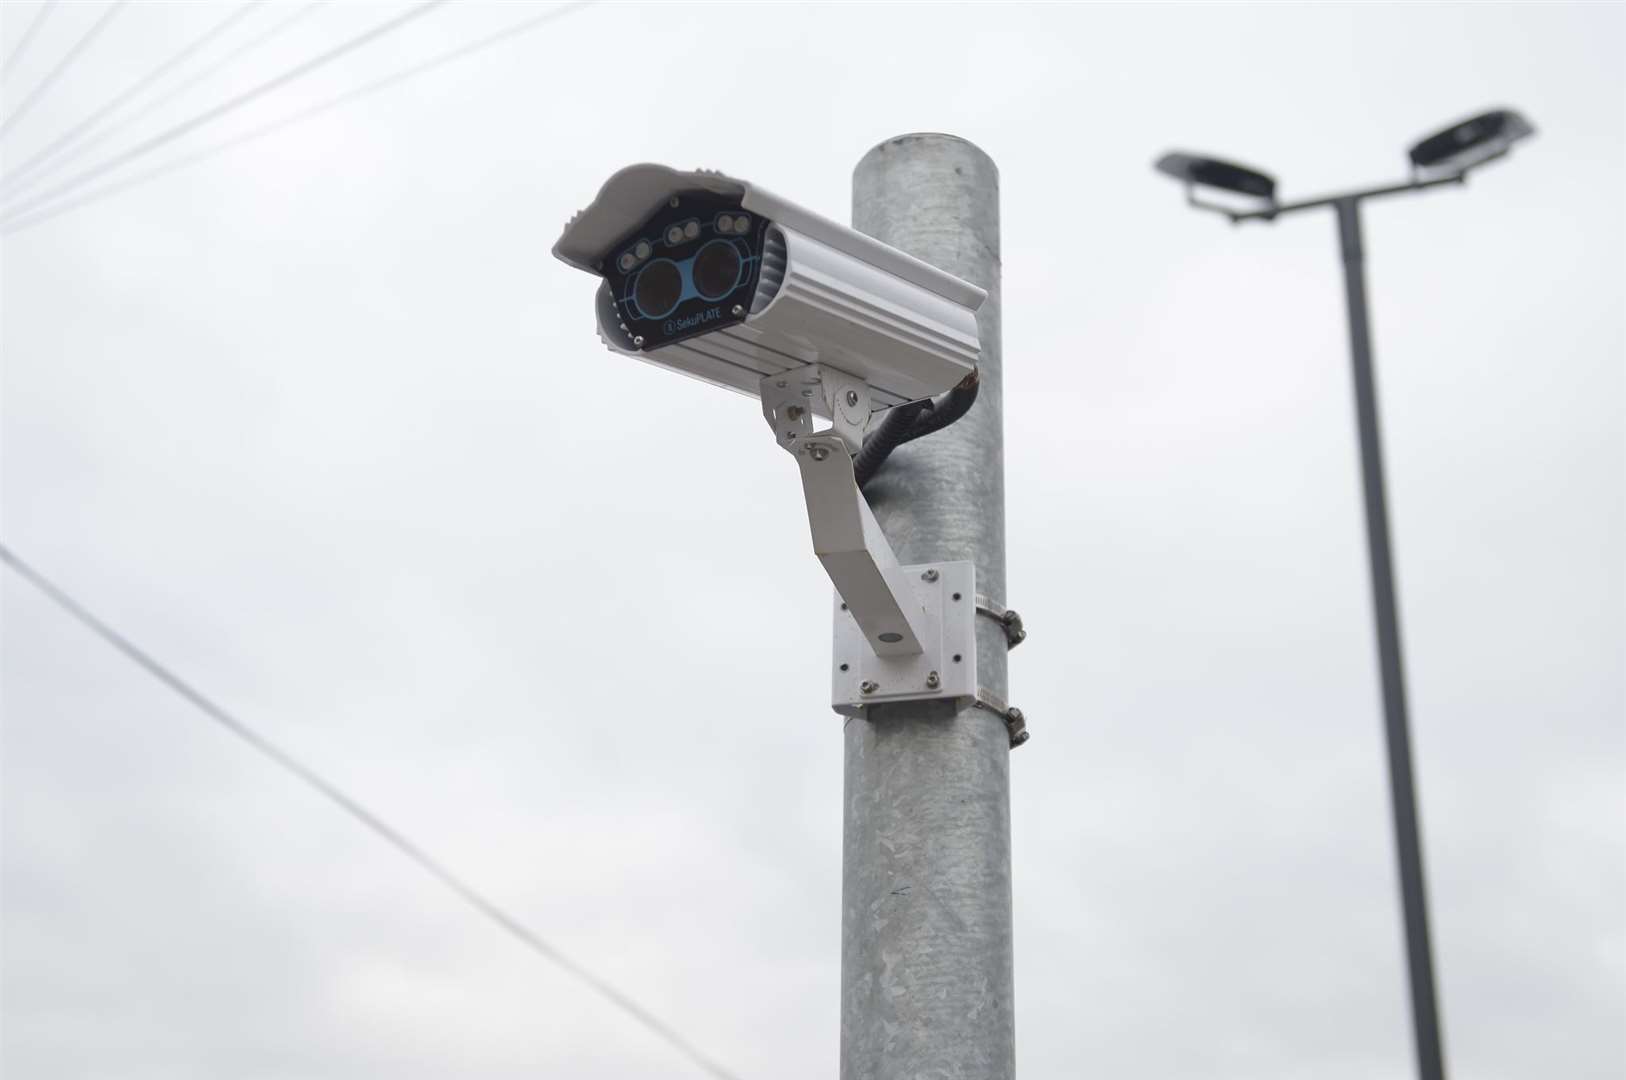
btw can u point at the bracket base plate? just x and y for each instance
(945, 670)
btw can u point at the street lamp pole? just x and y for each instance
(1396, 725)
(1445, 157)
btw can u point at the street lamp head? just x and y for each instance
(1470, 142)
(1194, 169)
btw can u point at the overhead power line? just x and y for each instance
(231, 104)
(388, 833)
(21, 221)
(90, 142)
(26, 40)
(120, 99)
(62, 66)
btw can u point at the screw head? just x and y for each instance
(932, 681)
(852, 397)
(738, 310)
(818, 452)
(868, 687)
(930, 575)
(638, 339)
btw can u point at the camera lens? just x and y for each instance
(716, 270)
(658, 289)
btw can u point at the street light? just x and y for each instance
(1471, 142)
(1445, 157)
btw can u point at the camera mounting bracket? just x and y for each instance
(902, 632)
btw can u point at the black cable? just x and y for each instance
(892, 433)
(948, 408)
(372, 821)
(119, 99)
(95, 139)
(17, 224)
(61, 68)
(26, 40)
(906, 423)
(231, 104)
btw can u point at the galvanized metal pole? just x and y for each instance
(1402, 789)
(926, 967)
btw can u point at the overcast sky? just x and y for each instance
(321, 423)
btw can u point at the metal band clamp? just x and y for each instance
(1016, 725)
(1008, 620)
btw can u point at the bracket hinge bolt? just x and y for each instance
(932, 681)
(930, 575)
(869, 687)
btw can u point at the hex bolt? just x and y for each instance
(932, 681)
(930, 575)
(868, 687)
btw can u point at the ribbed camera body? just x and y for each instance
(725, 282)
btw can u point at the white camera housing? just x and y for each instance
(807, 289)
(723, 281)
